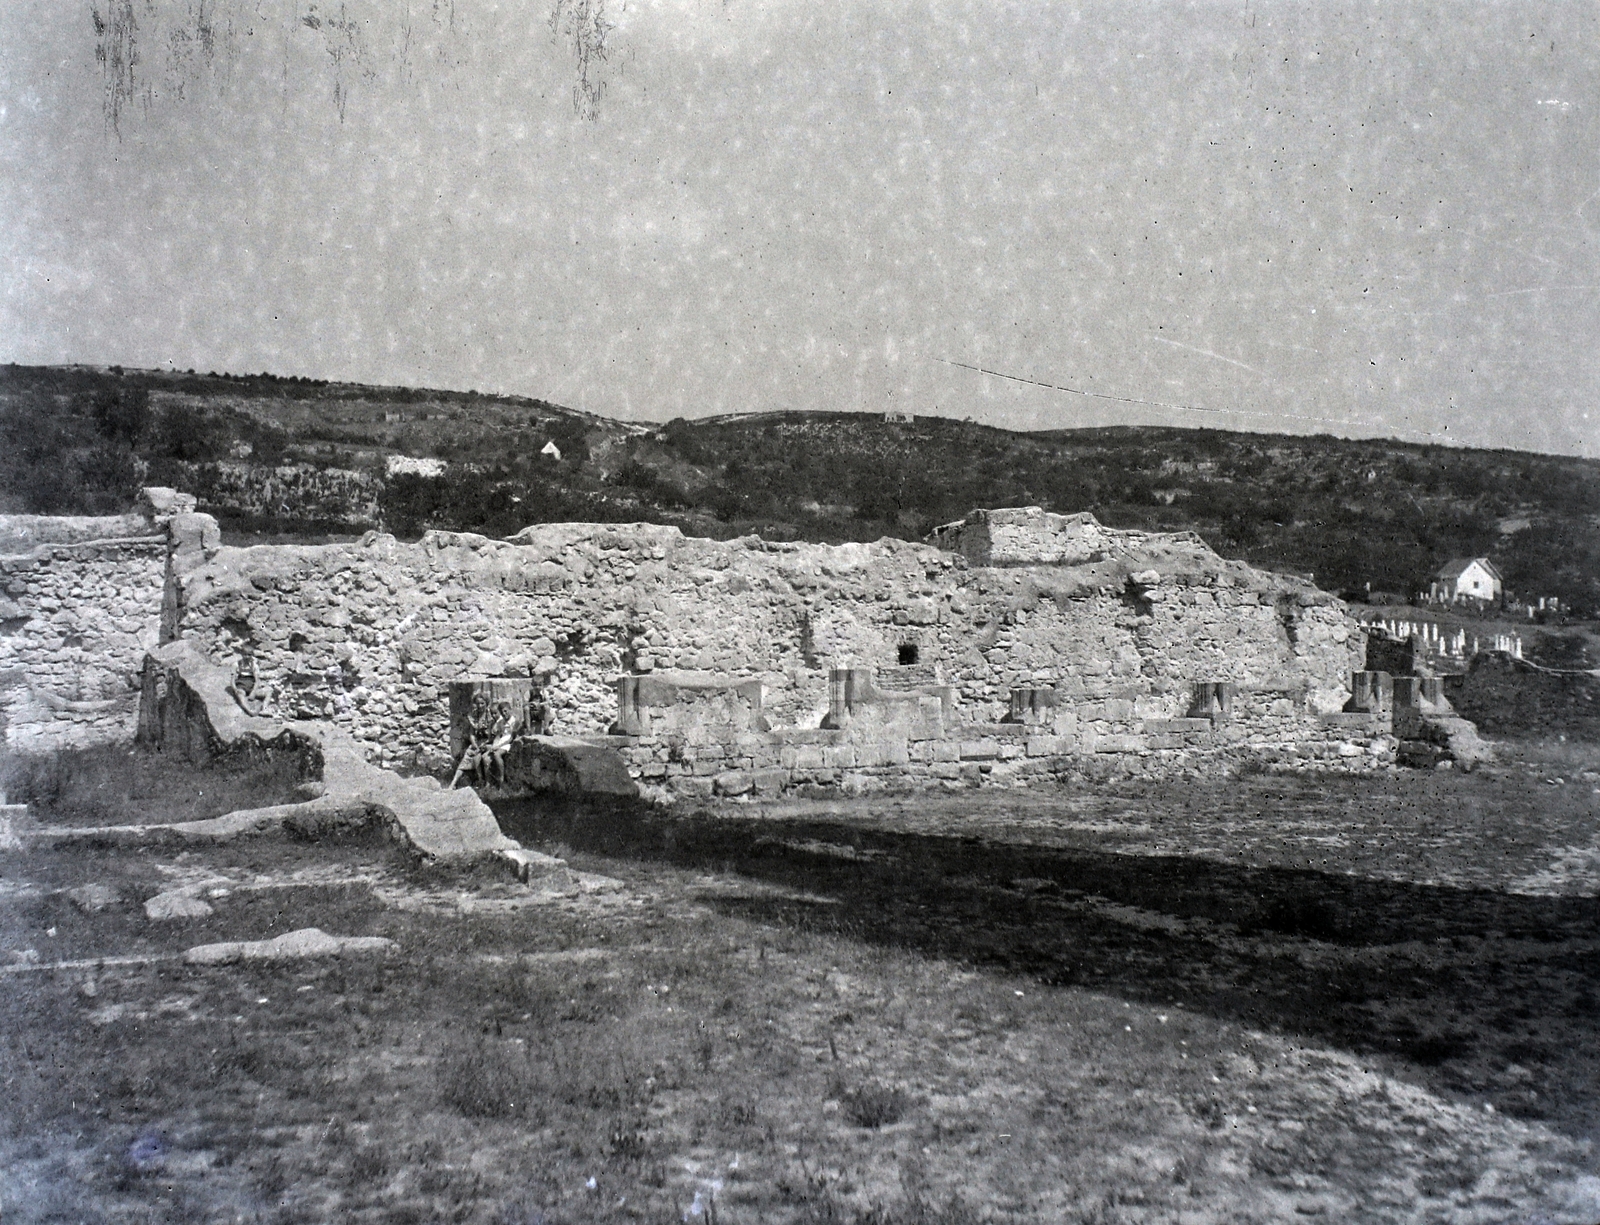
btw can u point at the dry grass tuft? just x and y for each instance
(873, 1104)
(486, 1078)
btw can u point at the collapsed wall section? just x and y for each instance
(1029, 535)
(80, 603)
(189, 707)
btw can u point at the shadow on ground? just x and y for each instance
(1483, 996)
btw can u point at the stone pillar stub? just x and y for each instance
(628, 722)
(1031, 704)
(1371, 693)
(1212, 700)
(848, 688)
(1418, 691)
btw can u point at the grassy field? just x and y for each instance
(1274, 999)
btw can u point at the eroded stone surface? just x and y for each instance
(94, 897)
(80, 603)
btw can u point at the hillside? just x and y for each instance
(275, 458)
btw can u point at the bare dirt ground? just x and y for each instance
(1267, 1000)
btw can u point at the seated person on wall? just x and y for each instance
(538, 716)
(502, 731)
(244, 684)
(474, 756)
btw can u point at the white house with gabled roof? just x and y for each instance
(1466, 578)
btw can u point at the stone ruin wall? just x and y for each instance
(1118, 626)
(80, 604)
(369, 635)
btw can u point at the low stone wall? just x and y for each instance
(676, 705)
(884, 740)
(1507, 696)
(318, 495)
(23, 533)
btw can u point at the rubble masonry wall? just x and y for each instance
(370, 634)
(80, 603)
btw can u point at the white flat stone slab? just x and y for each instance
(529, 864)
(291, 946)
(176, 904)
(12, 816)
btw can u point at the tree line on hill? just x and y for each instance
(1354, 514)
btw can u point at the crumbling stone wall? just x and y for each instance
(1029, 535)
(1108, 632)
(189, 708)
(80, 603)
(370, 634)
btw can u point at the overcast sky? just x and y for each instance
(1373, 219)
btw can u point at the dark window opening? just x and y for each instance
(298, 641)
(908, 653)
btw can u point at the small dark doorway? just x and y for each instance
(908, 653)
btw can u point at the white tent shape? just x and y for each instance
(550, 449)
